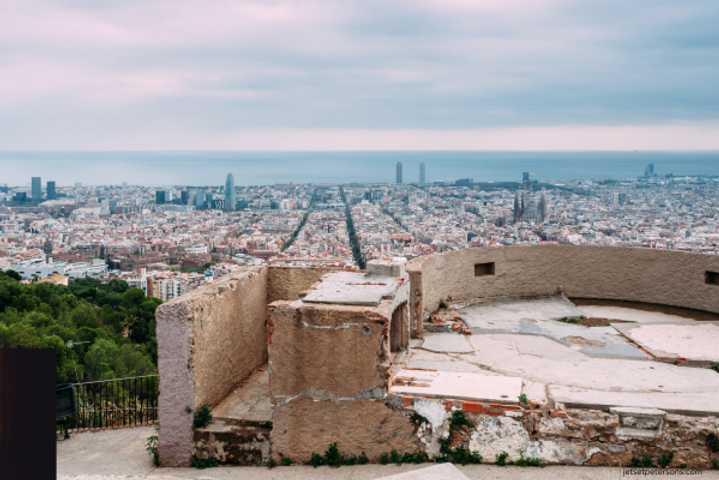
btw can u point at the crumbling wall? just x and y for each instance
(329, 372)
(611, 437)
(208, 342)
(286, 283)
(631, 274)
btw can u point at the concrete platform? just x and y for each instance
(446, 343)
(466, 386)
(250, 402)
(350, 288)
(630, 315)
(679, 403)
(537, 316)
(498, 311)
(698, 342)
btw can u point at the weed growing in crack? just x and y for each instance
(645, 462)
(459, 422)
(203, 416)
(151, 447)
(417, 419)
(209, 462)
(711, 440)
(528, 461)
(665, 460)
(501, 459)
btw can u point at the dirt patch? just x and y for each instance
(600, 322)
(583, 342)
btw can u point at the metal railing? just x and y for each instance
(116, 403)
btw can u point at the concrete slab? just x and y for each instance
(349, 288)
(444, 471)
(467, 386)
(697, 342)
(422, 359)
(446, 343)
(250, 402)
(631, 314)
(543, 360)
(680, 403)
(511, 309)
(537, 317)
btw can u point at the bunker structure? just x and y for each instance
(530, 347)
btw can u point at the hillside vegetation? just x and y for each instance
(115, 323)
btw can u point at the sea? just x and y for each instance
(209, 168)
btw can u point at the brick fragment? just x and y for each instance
(490, 410)
(473, 407)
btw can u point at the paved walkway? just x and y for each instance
(120, 454)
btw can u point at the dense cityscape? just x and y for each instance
(170, 240)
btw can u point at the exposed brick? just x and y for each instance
(407, 400)
(489, 410)
(511, 408)
(559, 413)
(473, 407)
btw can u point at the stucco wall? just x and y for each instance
(208, 342)
(329, 369)
(285, 283)
(632, 274)
(328, 347)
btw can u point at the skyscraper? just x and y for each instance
(421, 173)
(230, 194)
(649, 171)
(160, 197)
(51, 195)
(399, 172)
(36, 189)
(199, 199)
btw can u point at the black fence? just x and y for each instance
(115, 403)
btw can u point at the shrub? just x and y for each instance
(286, 461)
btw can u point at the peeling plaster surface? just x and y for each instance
(434, 412)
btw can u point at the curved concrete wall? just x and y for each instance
(632, 274)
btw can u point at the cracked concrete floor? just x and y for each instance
(553, 370)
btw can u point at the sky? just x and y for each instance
(359, 75)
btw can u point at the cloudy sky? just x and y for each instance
(359, 75)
